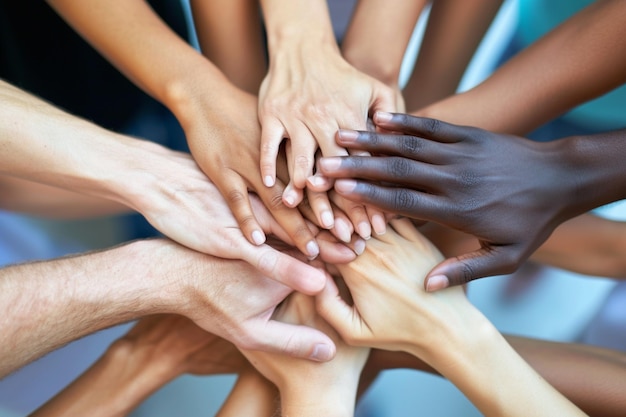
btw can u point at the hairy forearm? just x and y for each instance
(574, 63)
(453, 33)
(378, 35)
(50, 303)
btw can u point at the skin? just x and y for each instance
(214, 113)
(438, 165)
(303, 52)
(444, 329)
(43, 144)
(155, 351)
(453, 33)
(307, 389)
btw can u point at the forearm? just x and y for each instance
(116, 384)
(231, 37)
(378, 35)
(588, 245)
(252, 395)
(48, 304)
(134, 39)
(480, 362)
(571, 65)
(51, 202)
(453, 33)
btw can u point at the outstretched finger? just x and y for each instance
(423, 127)
(338, 313)
(484, 262)
(381, 143)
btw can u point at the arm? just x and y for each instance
(155, 351)
(453, 33)
(252, 395)
(378, 35)
(309, 91)
(41, 200)
(392, 311)
(47, 304)
(508, 192)
(574, 63)
(44, 144)
(231, 37)
(219, 120)
(307, 388)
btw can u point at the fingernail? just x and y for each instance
(317, 180)
(382, 116)
(345, 186)
(268, 181)
(322, 353)
(312, 249)
(364, 230)
(347, 136)
(379, 224)
(437, 282)
(330, 164)
(327, 219)
(359, 246)
(289, 199)
(258, 237)
(342, 230)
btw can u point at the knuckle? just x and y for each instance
(404, 200)
(411, 146)
(432, 127)
(399, 167)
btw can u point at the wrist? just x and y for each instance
(333, 399)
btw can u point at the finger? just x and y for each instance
(272, 134)
(293, 340)
(377, 220)
(423, 127)
(301, 153)
(333, 251)
(235, 192)
(291, 221)
(356, 214)
(402, 201)
(319, 183)
(341, 316)
(320, 204)
(382, 143)
(390, 169)
(284, 268)
(292, 196)
(465, 268)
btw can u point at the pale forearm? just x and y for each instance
(480, 362)
(571, 65)
(378, 36)
(51, 202)
(48, 304)
(252, 395)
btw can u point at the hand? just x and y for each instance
(232, 300)
(184, 204)
(227, 150)
(507, 191)
(390, 310)
(180, 345)
(330, 94)
(308, 385)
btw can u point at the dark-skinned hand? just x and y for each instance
(507, 191)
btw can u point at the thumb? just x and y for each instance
(284, 268)
(334, 309)
(487, 261)
(294, 340)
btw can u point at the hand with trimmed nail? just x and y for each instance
(507, 191)
(390, 310)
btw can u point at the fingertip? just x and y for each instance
(258, 237)
(323, 352)
(345, 186)
(269, 181)
(382, 117)
(436, 282)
